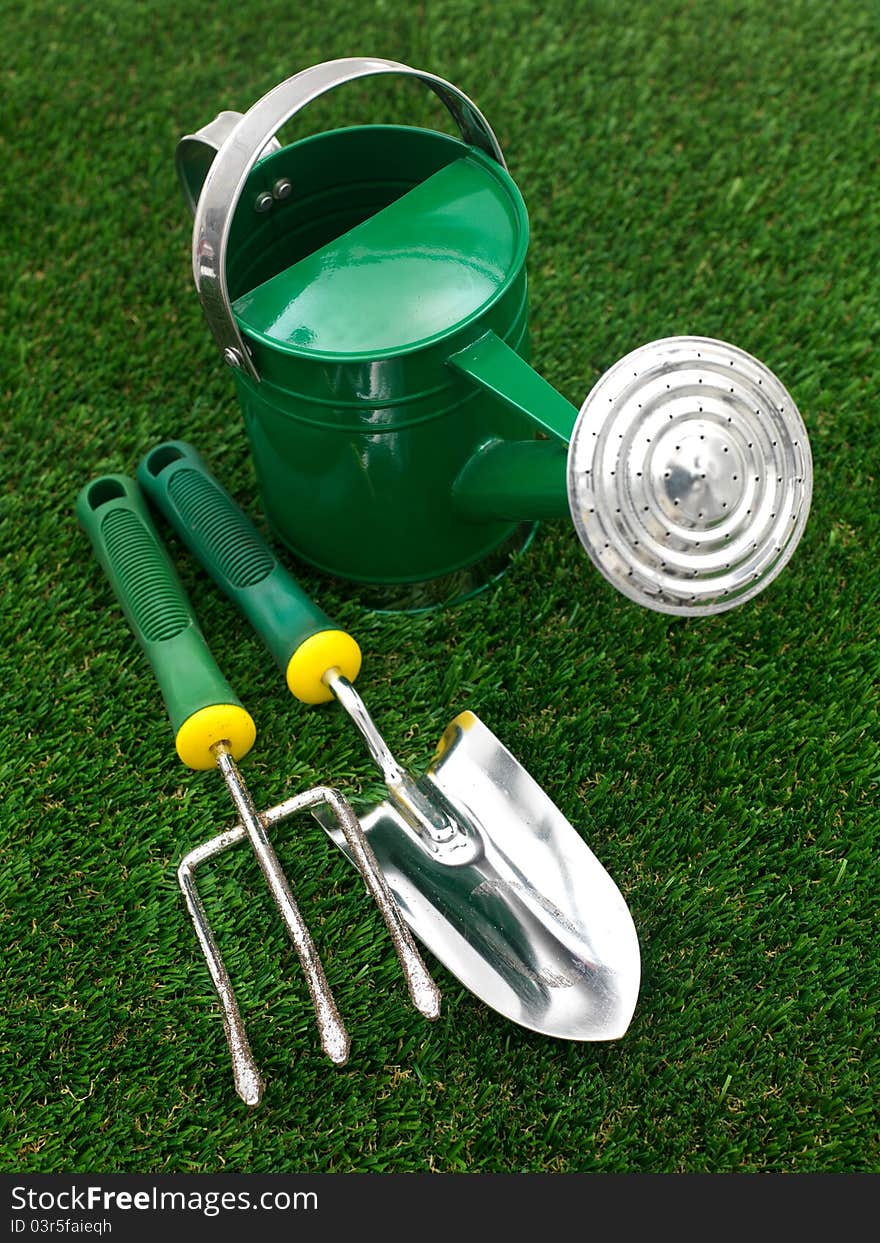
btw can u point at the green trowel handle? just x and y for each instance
(303, 640)
(201, 704)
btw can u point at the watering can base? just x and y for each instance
(446, 591)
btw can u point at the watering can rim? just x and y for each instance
(242, 149)
(517, 261)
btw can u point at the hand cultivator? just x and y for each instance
(212, 729)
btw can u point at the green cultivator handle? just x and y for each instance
(303, 640)
(201, 705)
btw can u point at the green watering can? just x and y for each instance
(367, 287)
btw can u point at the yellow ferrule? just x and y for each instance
(328, 649)
(227, 723)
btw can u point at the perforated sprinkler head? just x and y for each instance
(689, 475)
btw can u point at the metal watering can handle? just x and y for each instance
(245, 144)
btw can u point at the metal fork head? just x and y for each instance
(424, 993)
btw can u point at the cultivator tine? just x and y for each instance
(334, 1038)
(423, 992)
(248, 1082)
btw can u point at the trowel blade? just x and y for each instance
(526, 916)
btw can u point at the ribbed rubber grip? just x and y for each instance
(229, 546)
(113, 513)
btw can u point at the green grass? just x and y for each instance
(689, 168)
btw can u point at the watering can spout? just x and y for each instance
(686, 472)
(497, 369)
(514, 480)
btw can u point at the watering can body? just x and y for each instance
(368, 288)
(358, 425)
(360, 264)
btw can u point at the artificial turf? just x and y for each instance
(688, 168)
